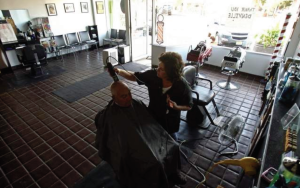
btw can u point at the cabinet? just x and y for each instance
(123, 52)
(93, 32)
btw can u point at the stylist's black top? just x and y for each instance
(180, 92)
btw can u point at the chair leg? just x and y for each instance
(208, 115)
(97, 47)
(215, 106)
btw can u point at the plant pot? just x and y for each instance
(260, 48)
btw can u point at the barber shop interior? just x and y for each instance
(149, 94)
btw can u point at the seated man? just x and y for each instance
(140, 151)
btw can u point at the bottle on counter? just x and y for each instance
(290, 90)
(288, 73)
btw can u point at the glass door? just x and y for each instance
(140, 22)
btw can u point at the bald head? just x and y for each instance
(121, 93)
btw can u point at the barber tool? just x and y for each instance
(249, 165)
(288, 171)
(290, 140)
(112, 72)
(269, 174)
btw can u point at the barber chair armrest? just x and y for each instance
(197, 94)
(190, 48)
(210, 82)
(20, 58)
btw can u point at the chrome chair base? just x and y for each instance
(224, 84)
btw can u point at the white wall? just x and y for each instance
(69, 22)
(62, 23)
(36, 8)
(101, 21)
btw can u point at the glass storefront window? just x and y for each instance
(252, 24)
(116, 16)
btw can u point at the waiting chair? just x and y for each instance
(73, 42)
(122, 35)
(60, 44)
(113, 33)
(113, 38)
(202, 96)
(86, 40)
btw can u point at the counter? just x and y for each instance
(275, 138)
(9, 53)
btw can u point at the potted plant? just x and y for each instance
(267, 40)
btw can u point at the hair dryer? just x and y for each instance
(249, 164)
(112, 72)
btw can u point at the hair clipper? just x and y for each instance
(112, 72)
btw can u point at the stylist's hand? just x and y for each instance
(117, 70)
(171, 103)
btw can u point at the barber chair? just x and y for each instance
(86, 40)
(198, 56)
(41, 53)
(32, 56)
(202, 96)
(231, 64)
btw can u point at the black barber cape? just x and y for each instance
(135, 145)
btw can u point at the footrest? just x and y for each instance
(228, 73)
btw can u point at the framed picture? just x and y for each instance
(69, 7)
(100, 7)
(51, 9)
(84, 7)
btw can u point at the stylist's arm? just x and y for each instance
(173, 104)
(125, 74)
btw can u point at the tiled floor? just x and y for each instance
(47, 142)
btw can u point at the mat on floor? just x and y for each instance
(78, 90)
(24, 78)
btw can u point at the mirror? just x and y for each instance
(20, 17)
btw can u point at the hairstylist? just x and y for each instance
(169, 92)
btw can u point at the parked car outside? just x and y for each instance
(167, 9)
(230, 37)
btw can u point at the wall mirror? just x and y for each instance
(20, 17)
